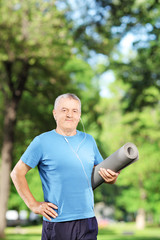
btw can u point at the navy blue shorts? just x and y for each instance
(86, 229)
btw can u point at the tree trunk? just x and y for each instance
(141, 215)
(7, 150)
(140, 219)
(11, 106)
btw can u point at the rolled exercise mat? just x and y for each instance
(120, 159)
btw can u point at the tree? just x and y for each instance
(140, 72)
(35, 116)
(35, 46)
(35, 39)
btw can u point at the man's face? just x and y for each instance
(67, 114)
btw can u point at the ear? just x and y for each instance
(54, 114)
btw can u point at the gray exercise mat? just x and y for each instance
(120, 159)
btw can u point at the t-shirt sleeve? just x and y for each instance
(98, 156)
(33, 153)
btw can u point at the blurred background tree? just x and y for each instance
(28, 52)
(37, 63)
(136, 93)
(51, 47)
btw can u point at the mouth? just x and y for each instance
(69, 120)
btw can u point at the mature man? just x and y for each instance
(65, 158)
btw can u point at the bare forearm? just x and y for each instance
(45, 209)
(22, 187)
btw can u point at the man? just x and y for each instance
(65, 158)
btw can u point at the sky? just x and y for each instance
(108, 77)
(124, 47)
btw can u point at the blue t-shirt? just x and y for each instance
(65, 166)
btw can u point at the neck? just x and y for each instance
(66, 132)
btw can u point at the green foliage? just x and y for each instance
(36, 37)
(136, 116)
(138, 184)
(38, 33)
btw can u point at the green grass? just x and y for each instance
(123, 231)
(119, 231)
(23, 233)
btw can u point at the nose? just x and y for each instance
(69, 114)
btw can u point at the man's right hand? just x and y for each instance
(45, 209)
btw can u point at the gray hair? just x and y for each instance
(66, 95)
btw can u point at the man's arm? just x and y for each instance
(18, 177)
(108, 175)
